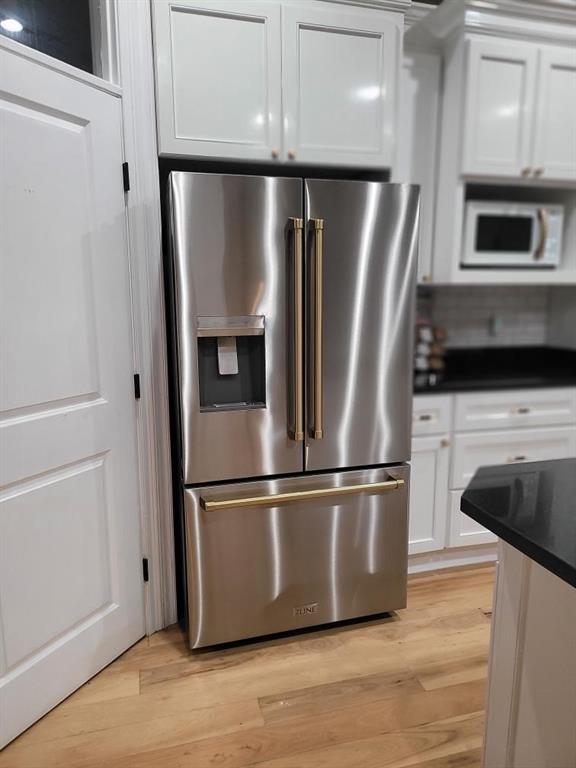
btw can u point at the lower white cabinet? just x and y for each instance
(463, 531)
(428, 493)
(508, 446)
(545, 428)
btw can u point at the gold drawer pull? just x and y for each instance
(275, 499)
(514, 459)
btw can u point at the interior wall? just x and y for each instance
(562, 317)
(489, 316)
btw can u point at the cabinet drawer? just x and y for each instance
(463, 531)
(472, 451)
(431, 414)
(518, 408)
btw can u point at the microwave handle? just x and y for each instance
(543, 221)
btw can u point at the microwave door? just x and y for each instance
(360, 268)
(234, 242)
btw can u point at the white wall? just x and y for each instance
(562, 318)
(480, 316)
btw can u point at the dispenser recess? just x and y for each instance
(231, 363)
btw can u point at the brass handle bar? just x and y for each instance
(543, 219)
(275, 499)
(318, 427)
(298, 434)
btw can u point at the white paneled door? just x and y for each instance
(499, 107)
(71, 592)
(218, 78)
(339, 72)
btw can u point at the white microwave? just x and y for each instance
(498, 234)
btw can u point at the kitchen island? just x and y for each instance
(531, 710)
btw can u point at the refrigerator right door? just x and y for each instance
(361, 255)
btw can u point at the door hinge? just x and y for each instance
(145, 569)
(126, 177)
(137, 386)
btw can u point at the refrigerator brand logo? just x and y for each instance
(304, 610)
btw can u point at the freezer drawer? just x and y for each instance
(323, 548)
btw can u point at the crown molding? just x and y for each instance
(545, 21)
(416, 13)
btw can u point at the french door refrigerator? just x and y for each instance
(293, 312)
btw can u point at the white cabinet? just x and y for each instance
(520, 110)
(555, 139)
(516, 408)
(508, 446)
(499, 107)
(431, 415)
(309, 82)
(218, 76)
(418, 104)
(339, 70)
(428, 494)
(463, 531)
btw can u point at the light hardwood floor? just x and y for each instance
(397, 692)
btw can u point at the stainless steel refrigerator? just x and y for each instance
(293, 325)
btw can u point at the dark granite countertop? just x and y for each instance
(486, 368)
(532, 507)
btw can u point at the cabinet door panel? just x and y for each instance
(499, 107)
(339, 73)
(555, 144)
(463, 531)
(218, 78)
(428, 494)
(508, 446)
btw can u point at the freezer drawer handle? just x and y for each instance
(275, 499)
(317, 431)
(298, 433)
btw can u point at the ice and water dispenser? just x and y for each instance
(231, 362)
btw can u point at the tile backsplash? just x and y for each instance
(480, 316)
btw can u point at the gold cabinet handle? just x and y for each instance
(291, 154)
(275, 154)
(526, 171)
(543, 221)
(514, 459)
(317, 431)
(274, 499)
(538, 171)
(298, 432)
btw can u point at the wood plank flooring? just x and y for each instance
(396, 692)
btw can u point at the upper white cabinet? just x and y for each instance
(499, 107)
(308, 82)
(555, 128)
(339, 70)
(520, 110)
(218, 73)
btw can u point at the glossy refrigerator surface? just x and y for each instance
(369, 255)
(272, 565)
(232, 252)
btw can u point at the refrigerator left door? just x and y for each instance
(235, 250)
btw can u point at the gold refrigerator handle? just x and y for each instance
(543, 220)
(298, 433)
(275, 499)
(317, 431)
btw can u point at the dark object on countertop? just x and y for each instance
(486, 368)
(532, 507)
